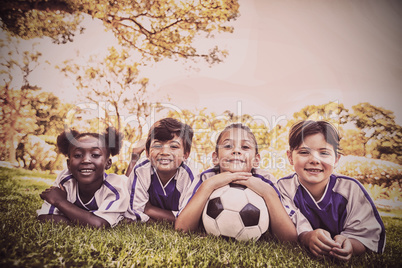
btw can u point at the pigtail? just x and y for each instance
(64, 140)
(113, 140)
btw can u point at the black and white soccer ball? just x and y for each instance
(235, 211)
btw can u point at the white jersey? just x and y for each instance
(345, 208)
(109, 202)
(145, 186)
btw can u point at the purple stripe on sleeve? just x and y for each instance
(133, 189)
(195, 189)
(63, 181)
(376, 214)
(213, 170)
(190, 173)
(108, 185)
(287, 177)
(51, 210)
(269, 182)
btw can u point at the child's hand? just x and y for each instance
(345, 251)
(54, 195)
(225, 178)
(138, 149)
(281, 226)
(258, 186)
(319, 242)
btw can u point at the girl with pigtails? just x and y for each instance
(83, 193)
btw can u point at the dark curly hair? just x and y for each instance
(112, 139)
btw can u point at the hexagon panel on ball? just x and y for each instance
(234, 199)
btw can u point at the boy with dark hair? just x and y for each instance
(334, 215)
(161, 186)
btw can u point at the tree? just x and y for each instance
(50, 113)
(333, 112)
(29, 19)
(38, 154)
(389, 147)
(16, 115)
(352, 142)
(25, 109)
(155, 28)
(114, 86)
(377, 125)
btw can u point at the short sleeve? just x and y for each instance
(112, 199)
(287, 187)
(363, 221)
(188, 193)
(63, 178)
(138, 185)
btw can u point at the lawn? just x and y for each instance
(25, 242)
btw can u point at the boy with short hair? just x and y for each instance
(161, 186)
(334, 215)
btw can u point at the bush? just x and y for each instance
(370, 171)
(381, 179)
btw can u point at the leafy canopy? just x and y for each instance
(155, 28)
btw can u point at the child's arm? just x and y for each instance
(281, 225)
(55, 218)
(189, 218)
(135, 155)
(159, 214)
(58, 198)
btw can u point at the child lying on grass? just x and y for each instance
(84, 193)
(334, 215)
(160, 186)
(236, 158)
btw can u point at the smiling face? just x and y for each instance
(166, 156)
(236, 151)
(314, 161)
(88, 160)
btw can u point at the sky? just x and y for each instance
(283, 56)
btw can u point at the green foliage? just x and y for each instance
(157, 29)
(382, 179)
(15, 112)
(118, 167)
(370, 171)
(26, 110)
(333, 112)
(378, 125)
(29, 19)
(25, 242)
(35, 153)
(113, 85)
(352, 142)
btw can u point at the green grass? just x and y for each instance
(25, 242)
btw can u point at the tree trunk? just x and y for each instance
(12, 152)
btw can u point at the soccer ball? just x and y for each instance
(235, 211)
